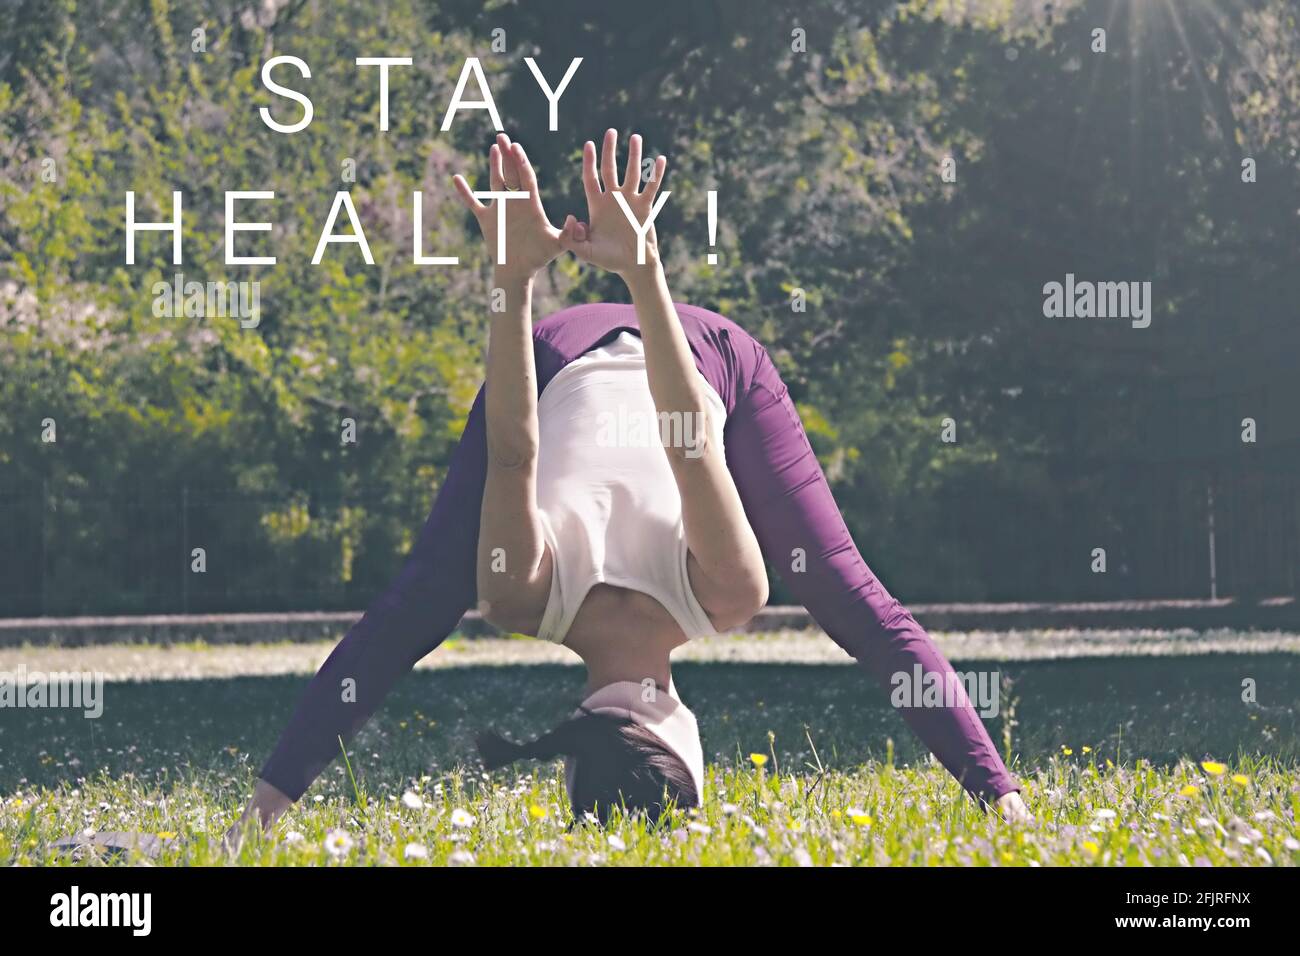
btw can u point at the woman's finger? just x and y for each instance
(632, 177)
(656, 179)
(576, 238)
(589, 181)
(496, 172)
(573, 232)
(509, 168)
(608, 157)
(527, 175)
(467, 197)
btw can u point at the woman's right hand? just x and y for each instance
(607, 239)
(1012, 808)
(266, 806)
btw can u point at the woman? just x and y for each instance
(561, 520)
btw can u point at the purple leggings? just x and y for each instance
(787, 501)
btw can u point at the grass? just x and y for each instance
(1135, 761)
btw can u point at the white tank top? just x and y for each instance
(610, 509)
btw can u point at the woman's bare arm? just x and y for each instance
(727, 569)
(513, 566)
(728, 574)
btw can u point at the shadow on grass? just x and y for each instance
(1156, 708)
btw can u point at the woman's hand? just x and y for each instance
(1013, 808)
(608, 240)
(531, 242)
(266, 805)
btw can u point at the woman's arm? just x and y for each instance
(514, 564)
(514, 568)
(726, 565)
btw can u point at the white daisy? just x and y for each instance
(338, 843)
(462, 818)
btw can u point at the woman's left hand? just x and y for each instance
(609, 241)
(531, 242)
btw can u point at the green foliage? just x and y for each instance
(923, 296)
(158, 402)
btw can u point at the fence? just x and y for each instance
(1170, 530)
(184, 550)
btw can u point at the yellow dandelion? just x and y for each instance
(758, 759)
(835, 814)
(860, 818)
(1086, 750)
(536, 812)
(1241, 780)
(1213, 768)
(1066, 750)
(167, 835)
(1091, 847)
(1190, 790)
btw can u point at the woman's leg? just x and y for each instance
(803, 535)
(725, 563)
(434, 588)
(514, 566)
(426, 601)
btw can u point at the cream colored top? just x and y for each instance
(610, 507)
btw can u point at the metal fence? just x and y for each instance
(1171, 531)
(194, 550)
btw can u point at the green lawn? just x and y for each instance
(1113, 754)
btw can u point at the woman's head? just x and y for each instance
(641, 756)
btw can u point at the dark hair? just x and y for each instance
(617, 763)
